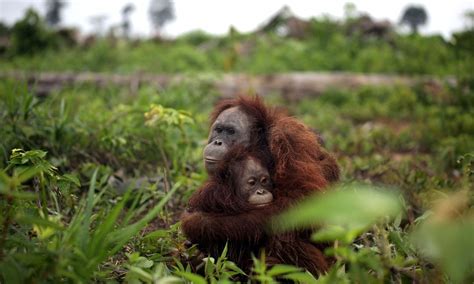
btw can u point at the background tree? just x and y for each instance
(350, 11)
(126, 25)
(414, 16)
(53, 12)
(469, 19)
(4, 29)
(463, 43)
(4, 38)
(29, 35)
(160, 11)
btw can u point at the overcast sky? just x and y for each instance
(215, 16)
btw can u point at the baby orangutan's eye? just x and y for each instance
(264, 180)
(251, 182)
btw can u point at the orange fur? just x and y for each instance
(298, 165)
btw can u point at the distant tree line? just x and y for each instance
(285, 42)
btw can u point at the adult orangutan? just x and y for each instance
(297, 164)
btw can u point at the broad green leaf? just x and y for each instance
(353, 206)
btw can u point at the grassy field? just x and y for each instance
(94, 180)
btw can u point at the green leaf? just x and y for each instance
(19, 195)
(86, 219)
(28, 173)
(194, 278)
(143, 262)
(140, 273)
(156, 235)
(280, 269)
(4, 179)
(300, 277)
(11, 272)
(71, 178)
(169, 280)
(451, 244)
(351, 206)
(345, 234)
(233, 267)
(36, 220)
(210, 266)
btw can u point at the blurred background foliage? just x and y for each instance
(93, 178)
(285, 43)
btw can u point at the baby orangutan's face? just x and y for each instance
(254, 183)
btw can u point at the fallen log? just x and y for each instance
(292, 86)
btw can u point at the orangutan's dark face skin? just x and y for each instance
(254, 184)
(231, 127)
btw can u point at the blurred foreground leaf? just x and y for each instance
(447, 237)
(344, 212)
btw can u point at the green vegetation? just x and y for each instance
(267, 53)
(93, 179)
(328, 45)
(75, 206)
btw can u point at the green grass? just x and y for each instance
(257, 54)
(64, 219)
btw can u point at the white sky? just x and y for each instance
(215, 16)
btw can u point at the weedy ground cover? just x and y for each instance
(93, 181)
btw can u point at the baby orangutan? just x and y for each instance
(234, 206)
(241, 184)
(253, 183)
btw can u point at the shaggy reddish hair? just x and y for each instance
(298, 166)
(217, 215)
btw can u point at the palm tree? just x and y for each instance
(53, 12)
(414, 16)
